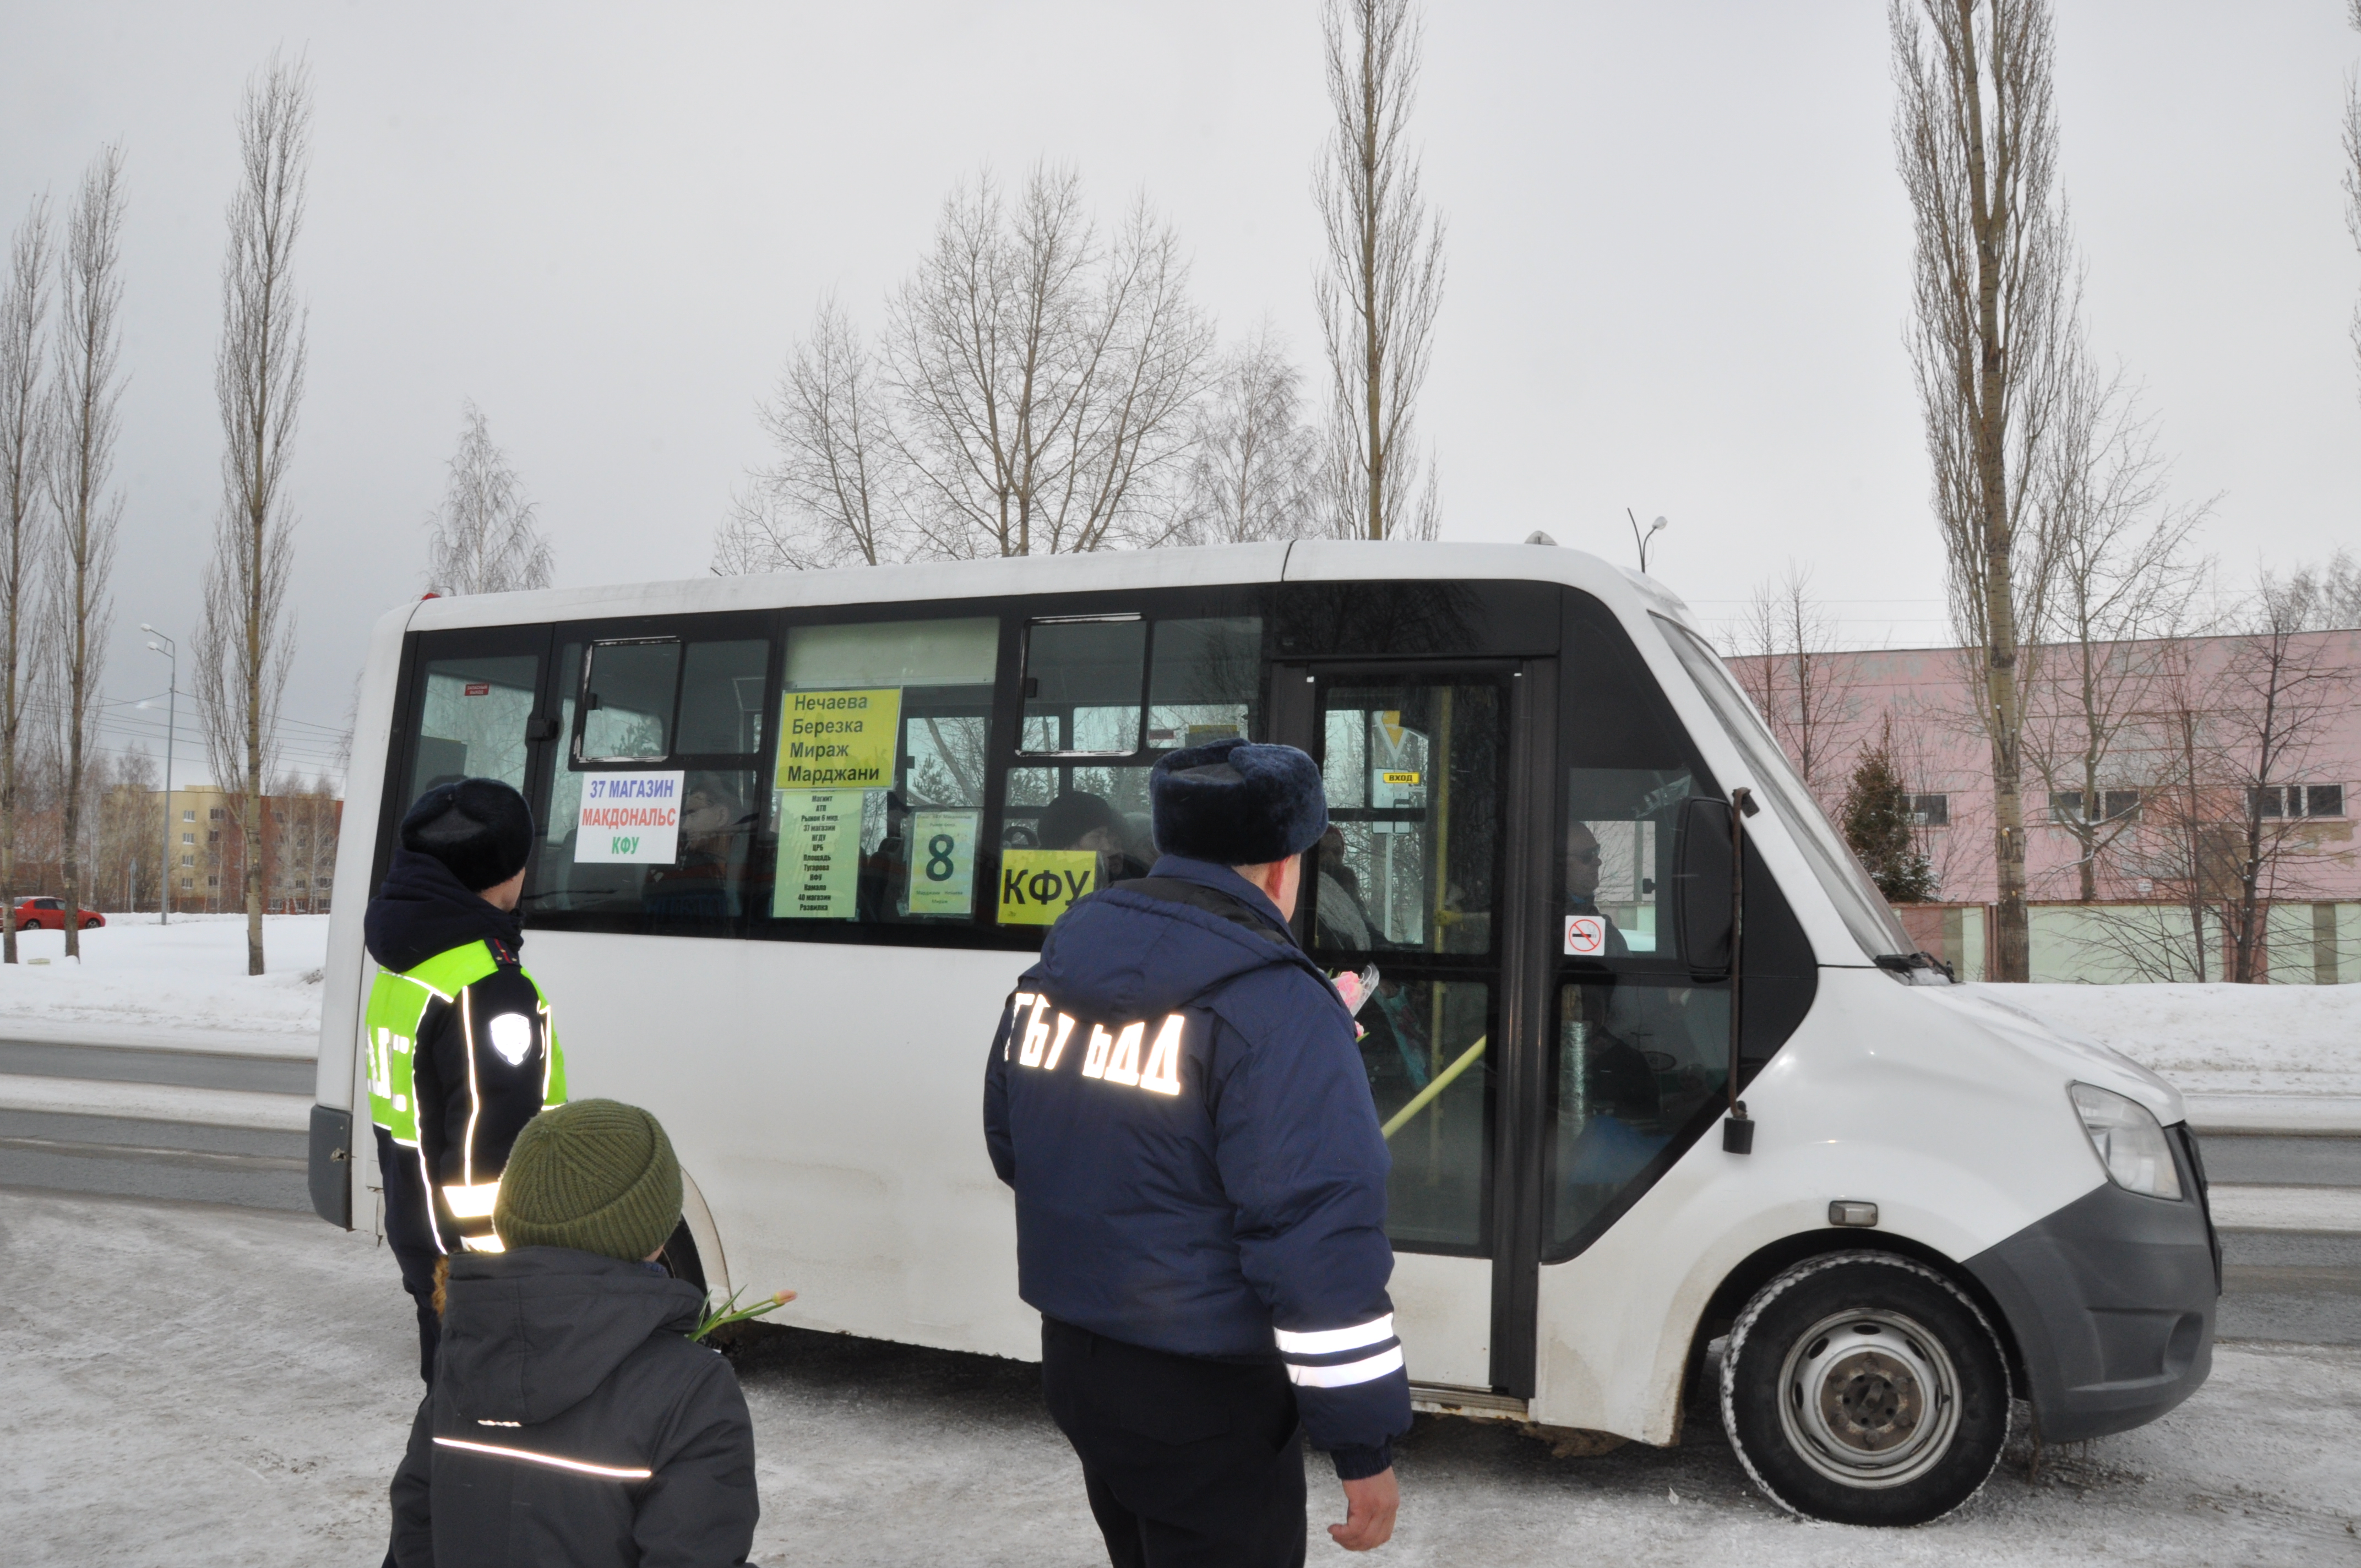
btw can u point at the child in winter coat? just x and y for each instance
(571, 1421)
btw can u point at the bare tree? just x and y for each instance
(84, 413)
(1383, 284)
(1044, 373)
(2125, 587)
(1254, 466)
(2324, 597)
(2353, 164)
(2280, 692)
(829, 497)
(24, 319)
(244, 640)
(1788, 645)
(1993, 312)
(484, 538)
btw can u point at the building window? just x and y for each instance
(2299, 800)
(188, 860)
(215, 815)
(188, 815)
(2066, 806)
(213, 837)
(1930, 811)
(188, 837)
(213, 882)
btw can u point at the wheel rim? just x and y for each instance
(1868, 1399)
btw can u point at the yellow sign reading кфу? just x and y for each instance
(839, 740)
(1039, 885)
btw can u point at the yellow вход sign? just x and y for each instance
(1039, 885)
(839, 740)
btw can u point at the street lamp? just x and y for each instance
(1641, 539)
(170, 650)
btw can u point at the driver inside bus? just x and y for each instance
(1078, 819)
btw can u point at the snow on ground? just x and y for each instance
(184, 982)
(2214, 1039)
(194, 1386)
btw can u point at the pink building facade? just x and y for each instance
(2161, 782)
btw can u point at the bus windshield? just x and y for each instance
(1866, 914)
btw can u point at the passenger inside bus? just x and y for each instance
(1078, 819)
(702, 882)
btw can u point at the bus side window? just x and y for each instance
(876, 807)
(471, 720)
(655, 806)
(1081, 822)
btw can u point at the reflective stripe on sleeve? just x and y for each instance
(476, 1202)
(530, 1457)
(484, 1243)
(1351, 1372)
(1326, 1341)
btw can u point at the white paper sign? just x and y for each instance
(1585, 935)
(632, 817)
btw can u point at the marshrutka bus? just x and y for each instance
(798, 834)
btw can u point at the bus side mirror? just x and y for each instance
(1701, 884)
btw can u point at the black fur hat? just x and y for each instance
(1237, 804)
(480, 829)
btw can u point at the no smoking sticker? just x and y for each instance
(1585, 935)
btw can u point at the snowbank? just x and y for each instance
(2214, 1039)
(185, 982)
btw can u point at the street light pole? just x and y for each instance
(170, 650)
(1641, 539)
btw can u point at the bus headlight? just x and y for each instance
(2129, 1141)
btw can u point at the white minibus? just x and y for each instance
(799, 834)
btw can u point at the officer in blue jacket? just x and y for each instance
(1175, 1097)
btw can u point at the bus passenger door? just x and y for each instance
(1418, 879)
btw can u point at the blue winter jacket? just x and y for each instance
(1175, 1097)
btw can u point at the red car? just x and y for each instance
(49, 914)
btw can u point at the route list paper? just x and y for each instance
(629, 817)
(820, 854)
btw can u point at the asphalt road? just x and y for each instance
(2297, 1286)
(183, 1069)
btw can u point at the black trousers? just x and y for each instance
(418, 1279)
(1189, 1463)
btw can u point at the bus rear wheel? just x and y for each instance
(1863, 1387)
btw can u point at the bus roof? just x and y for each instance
(1630, 594)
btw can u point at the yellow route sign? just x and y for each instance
(839, 740)
(1039, 885)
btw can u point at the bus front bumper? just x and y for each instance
(2112, 1300)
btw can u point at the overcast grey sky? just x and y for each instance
(1678, 256)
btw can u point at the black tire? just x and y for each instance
(1863, 1387)
(91, 924)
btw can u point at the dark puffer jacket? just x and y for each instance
(571, 1422)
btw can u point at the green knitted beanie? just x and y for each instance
(597, 1176)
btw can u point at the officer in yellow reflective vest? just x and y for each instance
(462, 1052)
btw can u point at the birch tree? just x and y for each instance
(1255, 464)
(2352, 166)
(2126, 588)
(484, 538)
(1383, 282)
(1791, 673)
(244, 640)
(829, 497)
(24, 324)
(1043, 372)
(1992, 313)
(85, 413)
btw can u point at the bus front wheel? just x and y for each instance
(1863, 1387)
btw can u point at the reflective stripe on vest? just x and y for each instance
(398, 1003)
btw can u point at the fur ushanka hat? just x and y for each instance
(1236, 802)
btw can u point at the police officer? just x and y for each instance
(1175, 1097)
(461, 1050)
